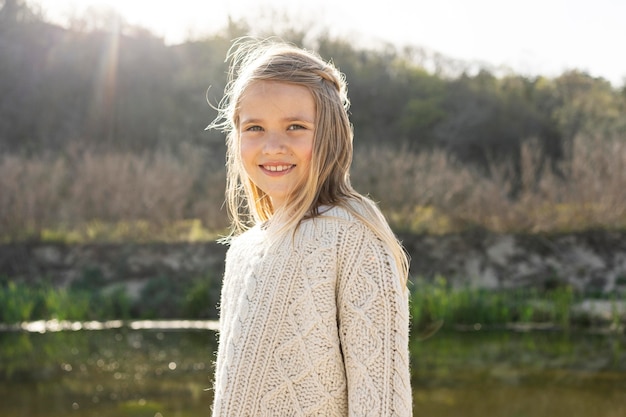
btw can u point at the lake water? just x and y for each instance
(165, 372)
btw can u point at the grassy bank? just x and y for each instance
(436, 303)
(90, 298)
(433, 304)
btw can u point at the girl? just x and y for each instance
(314, 311)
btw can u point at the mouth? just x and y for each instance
(277, 168)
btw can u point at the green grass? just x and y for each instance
(91, 297)
(437, 301)
(41, 301)
(433, 303)
(20, 302)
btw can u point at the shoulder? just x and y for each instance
(250, 238)
(338, 214)
(350, 213)
(346, 226)
(333, 221)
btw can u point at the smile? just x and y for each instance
(277, 168)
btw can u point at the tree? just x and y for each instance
(586, 105)
(16, 11)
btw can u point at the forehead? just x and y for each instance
(264, 96)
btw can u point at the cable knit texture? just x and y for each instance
(312, 324)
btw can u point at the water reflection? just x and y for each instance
(106, 373)
(154, 370)
(535, 374)
(44, 326)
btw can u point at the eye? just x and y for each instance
(253, 128)
(295, 127)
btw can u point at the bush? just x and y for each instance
(436, 301)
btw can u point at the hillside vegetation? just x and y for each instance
(102, 136)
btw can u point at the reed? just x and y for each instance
(179, 194)
(433, 303)
(434, 193)
(436, 301)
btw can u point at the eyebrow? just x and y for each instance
(285, 119)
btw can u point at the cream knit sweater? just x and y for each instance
(312, 324)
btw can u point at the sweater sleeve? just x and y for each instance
(373, 321)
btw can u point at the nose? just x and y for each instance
(274, 144)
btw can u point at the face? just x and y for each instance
(276, 131)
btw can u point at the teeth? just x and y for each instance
(277, 168)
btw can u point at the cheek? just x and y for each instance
(304, 167)
(307, 153)
(246, 151)
(309, 156)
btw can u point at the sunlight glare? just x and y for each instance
(173, 21)
(532, 36)
(102, 107)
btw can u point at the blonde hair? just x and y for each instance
(328, 183)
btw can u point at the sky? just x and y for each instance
(531, 37)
